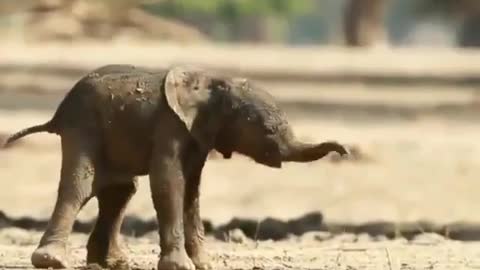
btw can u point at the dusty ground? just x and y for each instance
(342, 252)
(425, 167)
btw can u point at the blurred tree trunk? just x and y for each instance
(252, 28)
(469, 35)
(364, 22)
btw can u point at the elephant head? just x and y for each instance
(232, 114)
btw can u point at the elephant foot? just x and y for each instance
(112, 259)
(114, 265)
(176, 260)
(117, 263)
(107, 257)
(52, 255)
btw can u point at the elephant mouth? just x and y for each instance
(265, 160)
(226, 154)
(270, 161)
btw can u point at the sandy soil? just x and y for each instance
(422, 168)
(306, 252)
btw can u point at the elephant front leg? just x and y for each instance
(75, 189)
(194, 231)
(167, 186)
(195, 235)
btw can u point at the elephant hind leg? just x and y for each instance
(104, 243)
(79, 159)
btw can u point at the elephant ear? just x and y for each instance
(188, 95)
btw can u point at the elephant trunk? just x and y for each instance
(306, 152)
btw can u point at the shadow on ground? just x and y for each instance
(276, 229)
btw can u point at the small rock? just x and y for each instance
(237, 236)
(381, 238)
(428, 239)
(364, 238)
(316, 236)
(400, 240)
(346, 238)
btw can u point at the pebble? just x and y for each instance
(428, 239)
(237, 236)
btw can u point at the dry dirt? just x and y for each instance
(342, 252)
(421, 168)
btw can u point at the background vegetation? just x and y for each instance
(350, 22)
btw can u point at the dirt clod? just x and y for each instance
(237, 236)
(428, 239)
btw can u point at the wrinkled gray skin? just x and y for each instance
(119, 122)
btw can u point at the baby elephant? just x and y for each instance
(121, 121)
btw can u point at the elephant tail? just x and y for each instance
(47, 127)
